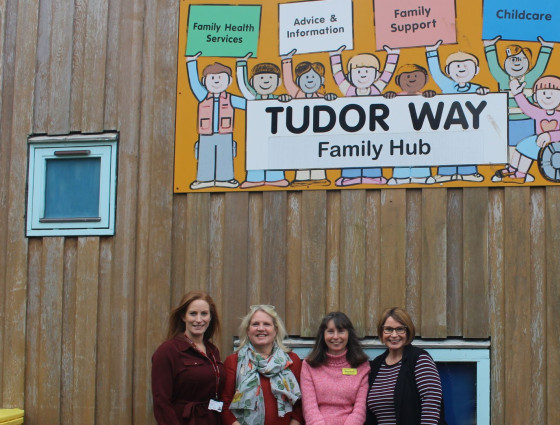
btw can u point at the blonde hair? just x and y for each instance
(363, 60)
(460, 57)
(276, 320)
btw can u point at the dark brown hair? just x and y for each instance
(354, 353)
(306, 66)
(176, 318)
(400, 316)
(265, 68)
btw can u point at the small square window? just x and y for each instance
(72, 185)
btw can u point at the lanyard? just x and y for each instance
(216, 372)
(213, 362)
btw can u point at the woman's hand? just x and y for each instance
(294, 422)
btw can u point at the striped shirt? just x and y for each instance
(380, 399)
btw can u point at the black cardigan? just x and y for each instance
(408, 407)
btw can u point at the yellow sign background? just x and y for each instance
(469, 30)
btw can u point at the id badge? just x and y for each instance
(215, 405)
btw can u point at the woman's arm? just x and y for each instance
(230, 366)
(311, 411)
(162, 386)
(297, 413)
(429, 387)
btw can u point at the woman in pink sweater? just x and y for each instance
(334, 377)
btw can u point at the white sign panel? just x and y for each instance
(315, 26)
(372, 131)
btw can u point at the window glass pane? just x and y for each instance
(458, 380)
(72, 187)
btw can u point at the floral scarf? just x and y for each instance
(248, 401)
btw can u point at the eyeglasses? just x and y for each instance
(388, 330)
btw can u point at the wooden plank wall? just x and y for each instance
(80, 317)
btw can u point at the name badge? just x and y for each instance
(215, 405)
(349, 371)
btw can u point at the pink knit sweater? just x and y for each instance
(331, 398)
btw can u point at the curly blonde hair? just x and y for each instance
(276, 320)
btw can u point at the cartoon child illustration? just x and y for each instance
(265, 79)
(546, 94)
(517, 65)
(310, 78)
(215, 124)
(460, 68)
(363, 79)
(411, 78)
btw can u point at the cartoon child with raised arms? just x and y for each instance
(263, 82)
(215, 120)
(411, 78)
(364, 78)
(517, 65)
(461, 68)
(308, 84)
(546, 94)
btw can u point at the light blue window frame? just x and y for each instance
(449, 350)
(43, 149)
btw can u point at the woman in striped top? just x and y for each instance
(404, 384)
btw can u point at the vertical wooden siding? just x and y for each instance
(80, 317)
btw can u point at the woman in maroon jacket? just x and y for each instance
(187, 374)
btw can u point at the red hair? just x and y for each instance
(176, 318)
